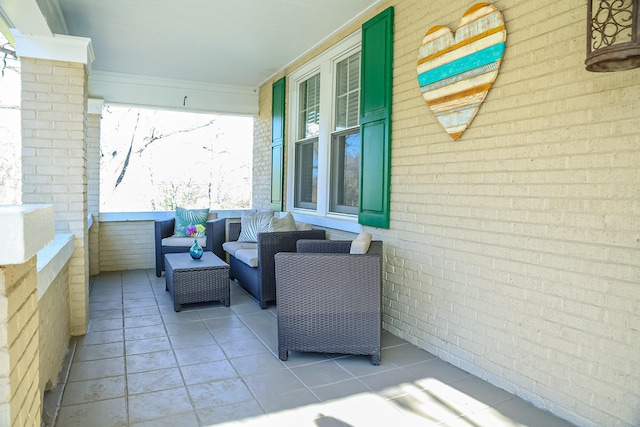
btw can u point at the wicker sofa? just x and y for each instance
(329, 300)
(260, 280)
(163, 235)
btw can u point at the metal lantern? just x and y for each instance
(613, 36)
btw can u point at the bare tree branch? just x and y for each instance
(6, 51)
(126, 160)
(153, 138)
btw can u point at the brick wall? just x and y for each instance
(513, 252)
(54, 170)
(127, 245)
(261, 187)
(19, 354)
(93, 189)
(54, 332)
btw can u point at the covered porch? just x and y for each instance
(511, 256)
(143, 364)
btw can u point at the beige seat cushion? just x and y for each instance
(183, 241)
(248, 256)
(232, 247)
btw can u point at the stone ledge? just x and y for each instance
(52, 259)
(25, 229)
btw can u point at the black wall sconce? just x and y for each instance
(613, 36)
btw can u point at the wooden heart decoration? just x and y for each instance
(455, 73)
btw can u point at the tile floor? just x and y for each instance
(142, 364)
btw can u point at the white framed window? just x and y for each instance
(344, 167)
(306, 145)
(324, 138)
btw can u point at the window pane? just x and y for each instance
(306, 191)
(309, 108)
(345, 172)
(347, 92)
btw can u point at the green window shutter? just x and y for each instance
(375, 120)
(277, 144)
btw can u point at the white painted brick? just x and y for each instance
(55, 92)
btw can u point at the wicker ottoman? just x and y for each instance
(203, 280)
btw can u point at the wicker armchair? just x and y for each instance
(164, 229)
(329, 300)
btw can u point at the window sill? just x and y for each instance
(345, 223)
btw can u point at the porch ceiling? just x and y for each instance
(240, 42)
(233, 44)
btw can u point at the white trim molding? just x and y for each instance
(94, 106)
(181, 95)
(325, 65)
(25, 15)
(57, 48)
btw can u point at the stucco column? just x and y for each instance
(54, 147)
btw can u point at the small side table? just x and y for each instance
(189, 280)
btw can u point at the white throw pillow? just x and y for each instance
(253, 223)
(361, 244)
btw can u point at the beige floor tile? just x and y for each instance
(219, 393)
(144, 332)
(93, 369)
(99, 351)
(156, 380)
(159, 404)
(105, 324)
(208, 372)
(273, 383)
(151, 361)
(288, 401)
(140, 321)
(187, 419)
(323, 373)
(224, 414)
(197, 355)
(147, 345)
(338, 390)
(104, 413)
(199, 339)
(256, 364)
(214, 365)
(93, 390)
(245, 347)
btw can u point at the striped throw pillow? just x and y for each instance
(253, 223)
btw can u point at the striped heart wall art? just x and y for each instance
(455, 73)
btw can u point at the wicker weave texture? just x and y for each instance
(197, 281)
(214, 230)
(260, 282)
(329, 302)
